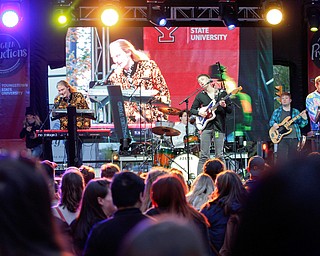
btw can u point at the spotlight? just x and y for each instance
(62, 17)
(313, 15)
(10, 13)
(109, 15)
(273, 11)
(228, 13)
(156, 14)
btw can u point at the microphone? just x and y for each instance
(112, 69)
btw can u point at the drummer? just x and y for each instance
(179, 141)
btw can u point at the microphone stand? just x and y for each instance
(186, 100)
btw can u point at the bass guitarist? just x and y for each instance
(216, 128)
(287, 146)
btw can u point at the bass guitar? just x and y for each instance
(276, 134)
(201, 122)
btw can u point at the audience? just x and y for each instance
(282, 216)
(152, 175)
(168, 197)
(71, 188)
(87, 173)
(171, 236)
(256, 167)
(107, 236)
(26, 226)
(109, 170)
(228, 198)
(96, 205)
(213, 166)
(200, 191)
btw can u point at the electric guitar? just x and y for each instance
(201, 122)
(276, 135)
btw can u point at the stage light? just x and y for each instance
(273, 11)
(156, 14)
(313, 15)
(10, 13)
(109, 15)
(228, 13)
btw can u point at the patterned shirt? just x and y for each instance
(312, 104)
(300, 122)
(144, 75)
(77, 100)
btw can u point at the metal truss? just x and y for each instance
(176, 14)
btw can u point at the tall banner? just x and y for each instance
(313, 59)
(182, 53)
(14, 78)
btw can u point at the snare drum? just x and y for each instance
(180, 163)
(163, 157)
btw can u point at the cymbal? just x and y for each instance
(167, 131)
(170, 110)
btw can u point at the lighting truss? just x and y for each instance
(134, 14)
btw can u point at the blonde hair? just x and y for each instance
(201, 189)
(66, 84)
(36, 122)
(317, 79)
(126, 46)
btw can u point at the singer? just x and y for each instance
(68, 95)
(32, 123)
(133, 69)
(216, 128)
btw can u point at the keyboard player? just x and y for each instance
(68, 95)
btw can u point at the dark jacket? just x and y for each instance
(106, 236)
(31, 140)
(218, 221)
(219, 122)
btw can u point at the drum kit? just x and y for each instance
(162, 150)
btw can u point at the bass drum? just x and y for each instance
(180, 163)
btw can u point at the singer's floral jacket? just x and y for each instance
(76, 99)
(144, 75)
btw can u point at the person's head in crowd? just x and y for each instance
(152, 175)
(50, 167)
(179, 175)
(282, 217)
(256, 166)
(26, 226)
(200, 191)
(109, 170)
(170, 236)
(96, 205)
(71, 188)
(87, 173)
(214, 166)
(229, 189)
(127, 190)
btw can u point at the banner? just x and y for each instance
(14, 78)
(182, 53)
(313, 59)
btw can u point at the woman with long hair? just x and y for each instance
(228, 198)
(71, 188)
(168, 197)
(200, 191)
(96, 205)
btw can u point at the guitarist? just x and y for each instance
(288, 144)
(216, 128)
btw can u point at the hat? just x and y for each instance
(30, 111)
(217, 71)
(258, 162)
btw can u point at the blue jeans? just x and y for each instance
(205, 143)
(37, 151)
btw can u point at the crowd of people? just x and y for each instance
(117, 215)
